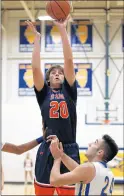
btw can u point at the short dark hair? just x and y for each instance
(110, 148)
(50, 69)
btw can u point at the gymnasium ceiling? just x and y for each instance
(34, 8)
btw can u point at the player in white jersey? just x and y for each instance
(92, 177)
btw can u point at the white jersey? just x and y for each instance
(102, 184)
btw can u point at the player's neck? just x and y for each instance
(95, 159)
(55, 87)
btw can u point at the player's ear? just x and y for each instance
(100, 153)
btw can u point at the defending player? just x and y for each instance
(93, 177)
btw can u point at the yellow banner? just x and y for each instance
(116, 165)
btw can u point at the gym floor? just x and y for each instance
(12, 189)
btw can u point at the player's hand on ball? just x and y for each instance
(33, 28)
(61, 23)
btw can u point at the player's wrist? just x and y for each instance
(57, 159)
(62, 155)
(40, 140)
(37, 37)
(62, 29)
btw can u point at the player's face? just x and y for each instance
(56, 77)
(94, 149)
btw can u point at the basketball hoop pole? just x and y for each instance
(106, 119)
(107, 63)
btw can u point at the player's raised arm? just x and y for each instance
(67, 51)
(37, 73)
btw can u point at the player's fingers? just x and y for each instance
(68, 17)
(30, 24)
(55, 143)
(55, 22)
(52, 146)
(55, 140)
(49, 140)
(61, 146)
(27, 22)
(51, 137)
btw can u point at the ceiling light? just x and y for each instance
(45, 18)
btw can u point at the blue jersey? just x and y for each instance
(58, 110)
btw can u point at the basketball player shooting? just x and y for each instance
(93, 177)
(57, 97)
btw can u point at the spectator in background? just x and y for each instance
(28, 166)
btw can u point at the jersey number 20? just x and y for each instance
(107, 185)
(58, 109)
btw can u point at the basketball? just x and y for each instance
(58, 9)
